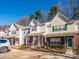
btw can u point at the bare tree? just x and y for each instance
(23, 21)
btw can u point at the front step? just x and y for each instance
(69, 51)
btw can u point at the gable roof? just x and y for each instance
(41, 24)
(17, 26)
(24, 28)
(37, 22)
(64, 18)
(7, 30)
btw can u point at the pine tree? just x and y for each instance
(38, 15)
(53, 11)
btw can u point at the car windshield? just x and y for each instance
(3, 41)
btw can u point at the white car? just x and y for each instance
(4, 45)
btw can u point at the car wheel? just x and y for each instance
(3, 49)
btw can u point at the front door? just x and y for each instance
(69, 42)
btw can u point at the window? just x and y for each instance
(55, 28)
(7, 34)
(33, 28)
(13, 32)
(60, 28)
(23, 31)
(55, 42)
(3, 41)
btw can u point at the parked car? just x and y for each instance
(4, 45)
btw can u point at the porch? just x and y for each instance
(14, 41)
(35, 40)
(60, 42)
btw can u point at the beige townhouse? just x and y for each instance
(16, 34)
(36, 33)
(62, 32)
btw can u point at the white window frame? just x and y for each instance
(13, 32)
(33, 28)
(53, 40)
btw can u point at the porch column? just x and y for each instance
(21, 38)
(16, 41)
(65, 43)
(45, 42)
(42, 42)
(12, 41)
(26, 40)
(33, 40)
(38, 41)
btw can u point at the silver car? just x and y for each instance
(4, 45)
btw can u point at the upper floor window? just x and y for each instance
(25, 31)
(33, 28)
(13, 32)
(7, 34)
(59, 28)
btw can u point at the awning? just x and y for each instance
(58, 34)
(34, 34)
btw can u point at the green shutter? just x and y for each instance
(65, 27)
(53, 28)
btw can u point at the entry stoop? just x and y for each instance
(69, 51)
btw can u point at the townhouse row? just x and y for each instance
(16, 34)
(60, 31)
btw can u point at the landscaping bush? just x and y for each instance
(59, 49)
(76, 51)
(22, 47)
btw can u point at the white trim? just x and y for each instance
(54, 42)
(64, 16)
(60, 14)
(31, 22)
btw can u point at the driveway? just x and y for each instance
(25, 54)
